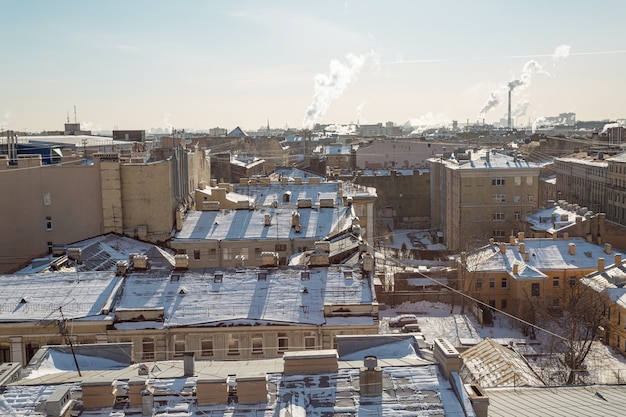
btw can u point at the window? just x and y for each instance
(498, 233)
(518, 180)
(5, 353)
(517, 199)
(48, 223)
(31, 349)
(529, 198)
(555, 282)
(479, 284)
(492, 283)
(572, 281)
(257, 343)
(196, 254)
(283, 342)
(227, 254)
(213, 254)
(244, 253)
(147, 349)
(181, 251)
(534, 289)
(505, 283)
(492, 303)
(498, 182)
(556, 303)
(257, 253)
(47, 200)
(207, 347)
(179, 348)
(309, 341)
(233, 345)
(529, 180)
(280, 247)
(517, 215)
(498, 217)
(499, 198)
(503, 304)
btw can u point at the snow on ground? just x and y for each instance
(605, 364)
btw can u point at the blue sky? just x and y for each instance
(202, 64)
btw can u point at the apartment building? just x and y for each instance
(57, 204)
(398, 154)
(509, 275)
(116, 289)
(479, 194)
(581, 178)
(616, 189)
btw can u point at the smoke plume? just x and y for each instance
(331, 86)
(519, 84)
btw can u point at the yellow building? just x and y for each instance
(509, 275)
(479, 194)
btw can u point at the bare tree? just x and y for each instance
(574, 327)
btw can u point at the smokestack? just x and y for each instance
(510, 108)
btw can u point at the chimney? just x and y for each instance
(527, 257)
(512, 241)
(607, 248)
(463, 258)
(509, 121)
(565, 236)
(522, 248)
(520, 236)
(572, 248)
(371, 378)
(188, 363)
(479, 399)
(515, 268)
(618, 258)
(600, 264)
(268, 220)
(503, 247)
(447, 357)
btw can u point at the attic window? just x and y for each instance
(262, 276)
(305, 275)
(175, 278)
(347, 275)
(218, 278)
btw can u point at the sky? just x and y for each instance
(201, 64)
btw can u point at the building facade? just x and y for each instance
(481, 194)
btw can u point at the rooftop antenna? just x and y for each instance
(68, 116)
(74, 113)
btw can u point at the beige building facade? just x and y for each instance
(481, 194)
(55, 205)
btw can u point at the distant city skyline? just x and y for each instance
(199, 65)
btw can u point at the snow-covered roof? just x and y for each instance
(76, 140)
(553, 218)
(281, 297)
(34, 297)
(102, 253)
(487, 159)
(489, 365)
(316, 223)
(543, 254)
(263, 195)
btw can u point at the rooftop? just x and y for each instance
(543, 254)
(484, 159)
(316, 223)
(247, 297)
